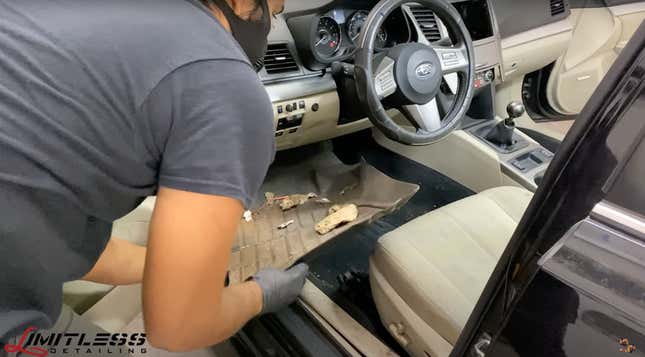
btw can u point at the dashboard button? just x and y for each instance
(449, 55)
(301, 105)
(279, 133)
(281, 124)
(280, 109)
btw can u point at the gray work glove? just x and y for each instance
(280, 288)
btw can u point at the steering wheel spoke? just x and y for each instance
(384, 81)
(453, 59)
(424, 116)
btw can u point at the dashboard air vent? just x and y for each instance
(427, 22)
(557, 7)
(279, 59)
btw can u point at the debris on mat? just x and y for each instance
(348, 188)
(286, 224)
(248, 216)
(628, 347)
(337, 215)
(291, 201)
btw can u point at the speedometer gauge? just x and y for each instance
(328, 38)
(355, 26)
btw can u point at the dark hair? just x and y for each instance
(208, 3)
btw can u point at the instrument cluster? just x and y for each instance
(337, 32)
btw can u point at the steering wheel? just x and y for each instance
(410, 75)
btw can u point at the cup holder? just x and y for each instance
(538, 179)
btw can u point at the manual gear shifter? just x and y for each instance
(502, 133)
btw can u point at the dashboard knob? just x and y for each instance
(489, 75)
(289, 108)
(315, 107)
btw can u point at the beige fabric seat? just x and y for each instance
(82, 295)
(427, 275)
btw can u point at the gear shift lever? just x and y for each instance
(502, 133)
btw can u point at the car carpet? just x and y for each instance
(341, 268)
(260, 243)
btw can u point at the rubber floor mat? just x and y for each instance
(261, 244)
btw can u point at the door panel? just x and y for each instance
(527, 52)
(599, 34)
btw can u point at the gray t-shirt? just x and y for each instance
(101, 103)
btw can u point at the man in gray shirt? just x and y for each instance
(103, 103)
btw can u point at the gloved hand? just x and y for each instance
(280, 288)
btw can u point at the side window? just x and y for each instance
(626, 186)
(628, 190)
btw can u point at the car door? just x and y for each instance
(571, 280)
(601, 29)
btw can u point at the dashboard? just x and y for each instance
(310, 103)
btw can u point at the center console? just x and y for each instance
(522, 159)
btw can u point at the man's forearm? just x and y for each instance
(121, 263)
(239, 304)
(205, 322)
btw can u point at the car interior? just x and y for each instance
(464, 101)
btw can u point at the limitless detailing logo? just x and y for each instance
(41, 345)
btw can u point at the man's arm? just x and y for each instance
(185, 303)
(120, 264)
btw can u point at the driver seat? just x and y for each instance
(427, 275)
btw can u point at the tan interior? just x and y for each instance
(428, 274)
(599, 36)
(463, 158)
(83, 296)
(317, 125)
(583, 48)
(523, 54)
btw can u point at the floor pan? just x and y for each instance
(260, 243)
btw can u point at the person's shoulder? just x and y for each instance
(226, 86)
(229, 82)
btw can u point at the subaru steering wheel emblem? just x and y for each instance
(424, 70)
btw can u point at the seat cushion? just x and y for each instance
(81, 295)
(439, 263)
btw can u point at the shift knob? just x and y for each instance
(515, 110)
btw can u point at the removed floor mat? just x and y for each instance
(260, 243)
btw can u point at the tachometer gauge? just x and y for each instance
(355, 26)
(327, 41)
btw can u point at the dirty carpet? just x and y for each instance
(265, 242)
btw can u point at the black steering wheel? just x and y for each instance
(411, 74)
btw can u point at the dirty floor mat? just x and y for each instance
(260, 244)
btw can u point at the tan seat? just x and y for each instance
(427, 275)
(82, 295)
